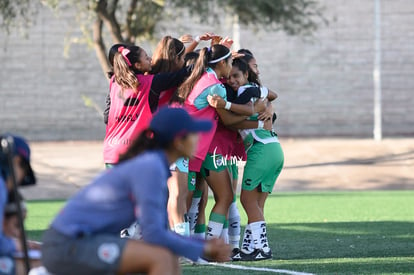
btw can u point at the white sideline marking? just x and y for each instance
(241, 267)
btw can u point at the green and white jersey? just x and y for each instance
(252, 93)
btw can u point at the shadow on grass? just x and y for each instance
(342, 239)
(387, 159)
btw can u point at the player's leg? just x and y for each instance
(220, 184)
(234, 215)
(200, 227)
(177, 202)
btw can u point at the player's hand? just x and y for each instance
(186, 38)
(260, 106)
(267, 113)
(228, 42)
(215, 39)
(268, 125)
(235, 55)
(206, 36)
(217, 250)
(216, 101)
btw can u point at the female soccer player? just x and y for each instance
(212, 64)
(264, 163)
(84, 237)
(133, 98)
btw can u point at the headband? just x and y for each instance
(124, 52)
(181, 51)
(219, 59)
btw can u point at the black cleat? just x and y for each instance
(256, 255)
(235, 255)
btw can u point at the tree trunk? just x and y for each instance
(110, 21)
(128, 33)
(99, 46)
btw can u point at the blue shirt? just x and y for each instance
(7, 245)
(134, 189)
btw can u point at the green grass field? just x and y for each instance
(368, 232)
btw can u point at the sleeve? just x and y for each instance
(152, 196)
(165, 81)
(247, 95)
(7, 246)
(219, 90)
(231, 95)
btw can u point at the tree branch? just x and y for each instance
(110, 21)
(129, 36)
(99, 45)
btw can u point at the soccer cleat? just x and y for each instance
(235, 255)
(256, 255)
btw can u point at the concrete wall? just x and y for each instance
(324, 84)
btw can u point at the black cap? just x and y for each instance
(21, 148)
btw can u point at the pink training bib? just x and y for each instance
(129, 115)
(208, 112)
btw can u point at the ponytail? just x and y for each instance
(199, 69)
(208, 57)
(165, 56)
(124, 61)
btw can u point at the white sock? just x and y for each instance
(225, 233)
(263, 237)
(193, 212)
(200, 231)
(247, 240)
(234, 226)
(259, 235)
(215, 225)
(214, 230)
(182, 228)
(200, 236)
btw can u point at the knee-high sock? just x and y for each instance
(215, 225)
(200, 231)
(259, 235)
(225, 232)
(193, 211)
(234, 225)
(247, 240)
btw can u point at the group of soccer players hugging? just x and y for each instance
(221, 85)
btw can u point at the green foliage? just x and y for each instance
(295, 17)
(139, 18)
(17, 14)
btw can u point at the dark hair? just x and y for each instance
(203, 61)
(111, 54)
(125, 75)
(191, 58)
(245, 51)
(166, 54)
(245, 68)
(147, 140)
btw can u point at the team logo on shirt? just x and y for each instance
(108, 252)
(6, 265)
(219, 161)
(185, 163)
(193, 179)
